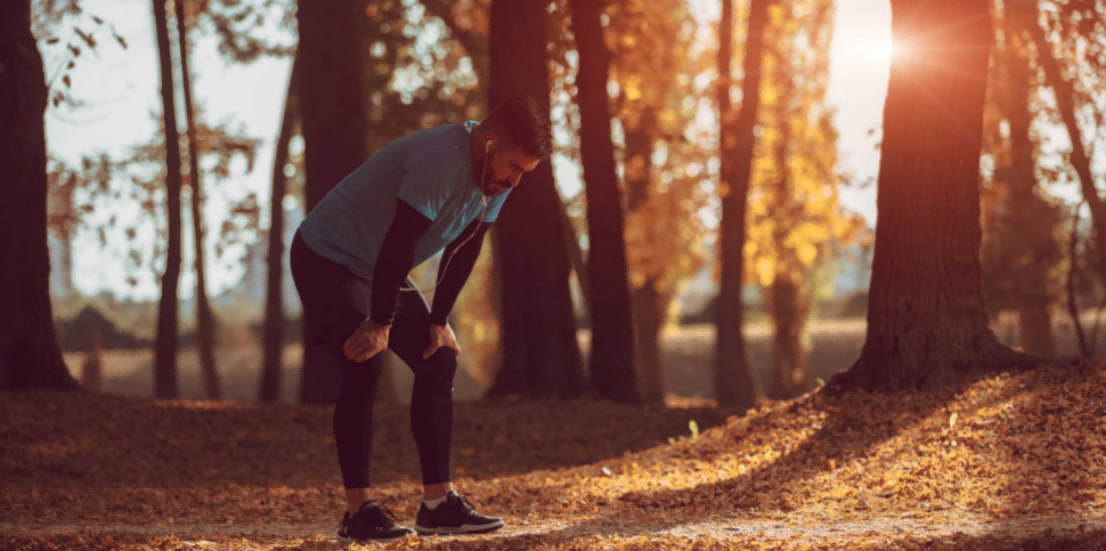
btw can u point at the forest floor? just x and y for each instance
(1002, 462)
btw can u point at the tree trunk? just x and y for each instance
(926, 319)
(649, 305)
(576, 255)
(541, 357)
(1029, 211)
(611, 356)
(787, 303)
(29, 353)
(92, 368)
(272, 339)
(205, 318)
(788, 306)
(165, 344)
(1025, 17)
(736, 383)
(334, 135)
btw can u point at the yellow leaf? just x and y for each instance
(807, 253)
(840, 493)
(952, 420)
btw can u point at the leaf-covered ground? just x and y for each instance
(1004, 462)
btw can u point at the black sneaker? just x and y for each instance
(454, 516)
(372, 522)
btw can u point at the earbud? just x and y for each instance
(487, 146)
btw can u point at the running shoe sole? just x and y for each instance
(464, 529)
(381, 540)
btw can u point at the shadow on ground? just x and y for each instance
(53, 439)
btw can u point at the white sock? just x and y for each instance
(434, 503)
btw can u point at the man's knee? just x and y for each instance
(437, 371)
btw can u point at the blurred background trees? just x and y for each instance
(698, 158)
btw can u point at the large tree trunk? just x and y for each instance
(926, 319)
(611, 355)
(1030, 213)
(205, 318)
(541, 357)
(649, 305)
(334, 134)
(272, 338)
(736, 383)
(29, 354)
(165, 362)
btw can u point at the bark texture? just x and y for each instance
(29, 353)
(541, 357)
(926, 319)
(736, 383)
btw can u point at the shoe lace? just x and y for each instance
(466, 504)
(385, 517)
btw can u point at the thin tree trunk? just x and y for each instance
(29, 353)
(576, 254)
(649, 305)
(165, 363)
(611, 356)
(333, 114)
(541, 357)
(272, 340)
(788, 306)
(205, 318)
(1031, 213)
(736, 382)
(92, 367)
(786, 300)
(1025, 17)
(927, 323)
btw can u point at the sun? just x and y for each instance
(878, 49)
(867, 49)
(883, 50)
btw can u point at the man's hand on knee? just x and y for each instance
(441, 336)
(368, 340)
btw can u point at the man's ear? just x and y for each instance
(490, 140)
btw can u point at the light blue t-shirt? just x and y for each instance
(430, 169)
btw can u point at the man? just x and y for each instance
(435, 188)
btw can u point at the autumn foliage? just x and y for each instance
(978, 465)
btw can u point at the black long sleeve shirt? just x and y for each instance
(397, 254)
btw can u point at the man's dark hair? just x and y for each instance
(524, 124)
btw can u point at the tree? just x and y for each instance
(1021, 233)
(736, 384)
(205, 318)
(927, 323)
(541, 357)
(333, 114)
(29, 353)
(272, 340)
(611, 355)
(655, 65)
(797, 222)
(165, 353)
(1081, 28)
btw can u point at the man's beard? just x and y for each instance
(495, 187)
(490, 186)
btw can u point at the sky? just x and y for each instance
(120, 90)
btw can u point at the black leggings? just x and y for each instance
(336, 301)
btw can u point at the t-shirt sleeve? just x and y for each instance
(429, 182)
(494, 205)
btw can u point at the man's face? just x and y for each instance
(505, 166)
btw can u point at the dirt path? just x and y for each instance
(764, 530)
